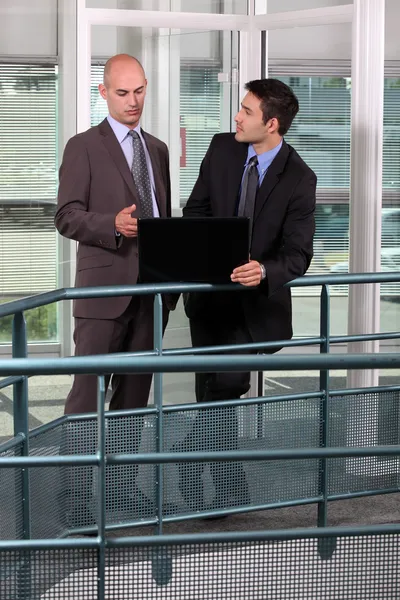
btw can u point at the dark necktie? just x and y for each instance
(248, 192)
(141, 177)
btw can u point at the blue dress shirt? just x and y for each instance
(264, 160)
(122, 134)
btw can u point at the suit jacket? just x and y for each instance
(282, 238)
(95, 185)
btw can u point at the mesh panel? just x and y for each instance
(46, 486)
(361, 567)
(130, 490)
(27, 575)
(66, 497)
(223, 485)
(11, 526)
(364, 420)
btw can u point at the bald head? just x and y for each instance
(120, 62)
(124, 89)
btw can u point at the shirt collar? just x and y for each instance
(120, 130)
(264, 159)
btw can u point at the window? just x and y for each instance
(28, 184)
(321, 135)
(200, 109)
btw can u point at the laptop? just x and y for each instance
(192, 250)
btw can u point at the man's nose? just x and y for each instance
(132, 99)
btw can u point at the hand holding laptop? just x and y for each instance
(248, 274)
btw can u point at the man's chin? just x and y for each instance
(239, 137)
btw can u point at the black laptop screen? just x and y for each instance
(204, 250)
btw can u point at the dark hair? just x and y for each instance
(277, 101)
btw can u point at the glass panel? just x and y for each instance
(391, 135)
(189, 99)
(28, 182)
(233, 7)
(321, 131)
(189, 94)
(276, 6)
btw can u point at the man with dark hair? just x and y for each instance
(252, 173)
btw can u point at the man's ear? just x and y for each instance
(273, 125)
(103, 90)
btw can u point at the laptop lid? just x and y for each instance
(193, 250)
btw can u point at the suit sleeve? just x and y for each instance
(296, 251)
(73, 218)
(199, 203)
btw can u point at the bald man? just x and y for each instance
(110, 176)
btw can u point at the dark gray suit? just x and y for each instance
(95, 185)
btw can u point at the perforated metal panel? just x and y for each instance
(11, 526)
(64, 498)
(364, 420)
(361, 567)
(222, 485)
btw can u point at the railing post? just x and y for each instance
(161, 563)
(101, 486)
(325, 547)
(21, 425)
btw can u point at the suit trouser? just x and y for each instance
(217, 429)
(131, 332)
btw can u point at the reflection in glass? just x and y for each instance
(28, 183)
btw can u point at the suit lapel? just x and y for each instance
(231, 185)
(159, 183)
(271, 178)
(116, 153)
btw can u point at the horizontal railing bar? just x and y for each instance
(233, 537)
(311, 280)
(10, 381)
(70, 460)
(258, 400)
(238, 347)
(365, 337)
(250, 455)
(202, 538)
(148, 289)
(197, 515)
(173, 457)
(371, 390)
(171, 364)
(50, 544)
(12, 443)
(254, 536)
(363, 494)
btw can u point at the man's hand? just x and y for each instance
(125, 224)
(248, 274)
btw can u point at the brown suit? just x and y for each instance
(95, 185)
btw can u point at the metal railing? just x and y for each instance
(161, 361)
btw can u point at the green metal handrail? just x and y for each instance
(160, 361)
